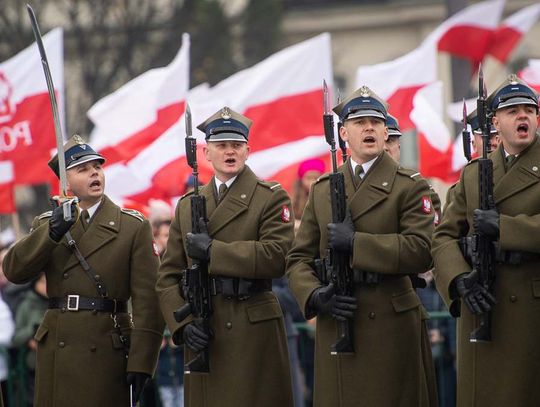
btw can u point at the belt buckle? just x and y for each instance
(70, 300)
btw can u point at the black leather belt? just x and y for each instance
(238, 288)
(76, 303)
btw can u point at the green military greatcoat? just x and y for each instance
(505, 371)
(394, 218)
(80, 360)
(252, 232)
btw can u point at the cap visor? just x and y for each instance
(366, 113)
(226, 137)
(85, 159)
(517, 101)
(393, 132)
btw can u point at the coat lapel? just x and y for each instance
(374, 188)
(104, 228)
(235, 202)
(524, 173)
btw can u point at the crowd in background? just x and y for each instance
(23, 306)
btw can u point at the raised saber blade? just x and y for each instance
(64, 200)
(52, 97)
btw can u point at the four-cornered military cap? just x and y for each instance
(393, 126)
(226, 125)
(472, 120)
(76, 152)
(362, 103)
(512, 92)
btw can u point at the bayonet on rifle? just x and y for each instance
(465, 134)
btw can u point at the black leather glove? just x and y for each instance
(198, 244)
(325, 301)
(57, 225)
(486, 222)
(137, 381)
(476, 297)
(195, 337)
(341, 235)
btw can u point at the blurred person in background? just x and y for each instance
(27, 320)
(169, 378)
(308, 172)
(7, 327)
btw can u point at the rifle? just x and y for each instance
(63, 199)
(196, 281)
(337, 262)
(483, 252)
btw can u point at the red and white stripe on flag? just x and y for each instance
(27, 137)
(512, 30)
(398, 81)
(435, 147)
(283, 97)
(7, 199)
(144, 113)
(469, 33)
(531, 74)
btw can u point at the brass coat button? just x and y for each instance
(228, 325)
(61, 344)
(93, 348)
(513, 298)
(65, 275)
(371, 315)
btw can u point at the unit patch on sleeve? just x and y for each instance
(285, 214)
(426, 204)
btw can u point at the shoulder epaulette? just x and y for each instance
(47, 214)
(186, 194)
(323, 177)
(413, 174)
(475, 159)
(270, 184)
(134, 213)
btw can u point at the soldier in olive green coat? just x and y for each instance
(81, 359)
(250, 230)
(388, 237)
(504, 371)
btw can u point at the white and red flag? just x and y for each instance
(143, 113)
(435, 147)
(531, 74)
(7, 200)
(398, 81)
(282, 95)
(469, 33)
(27, 137)
(508, 35)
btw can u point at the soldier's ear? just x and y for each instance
(495, 122)
(343, 133)
(206, 153)
(385, 133)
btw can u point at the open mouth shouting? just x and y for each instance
(523, 130)
(95, 185)
(369, 140)
(230, 161)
